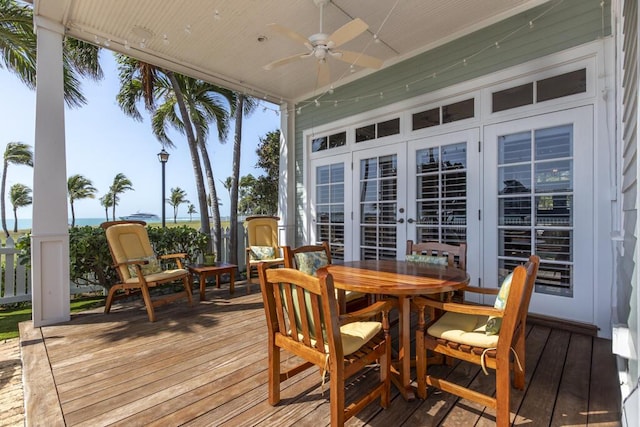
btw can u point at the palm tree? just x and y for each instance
(191, 209)
(18, 52)
(205, 103)
(16, 153)
(188, 105)
(244, 107)
(20, 196)
(79, 187)
(120, 184)
(178, 196)
(106, 201)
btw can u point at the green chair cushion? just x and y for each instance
(310, 262)
(260, 253)
(152, 267)
(494, 323)
(427, 259)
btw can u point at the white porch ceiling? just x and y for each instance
(217, 40)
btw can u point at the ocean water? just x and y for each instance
(26, 223)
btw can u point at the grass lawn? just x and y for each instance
(10, 317)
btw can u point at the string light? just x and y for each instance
(216, 15)
(126, 45)
(107, 42)
(165, 39)
(187, 29)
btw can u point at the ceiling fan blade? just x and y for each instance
(286, 60)
(347, 32)
(358, 59)
(290, 34)
(324, 73)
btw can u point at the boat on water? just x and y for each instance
(141, 216)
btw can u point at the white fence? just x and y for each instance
(15, 283)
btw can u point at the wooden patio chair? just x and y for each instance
(302, 318)
(486, 336)
(262, 242)
(439, 253)
(309, 259)
(138, 267)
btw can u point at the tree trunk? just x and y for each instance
(73, 216)
(2, 206)
(195, 159)
(215, 208)
(237, 141)
(15, 220)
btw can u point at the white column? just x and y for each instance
(287, 181)
(50, 234)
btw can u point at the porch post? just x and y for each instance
(287, 181)
(50, 234)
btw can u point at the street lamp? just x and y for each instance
(163, 156)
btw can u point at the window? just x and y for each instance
(545, 89)
(330, 207)
(332, 141)
(450, 113)
(441, 174)
(535, 204)
(378, 130)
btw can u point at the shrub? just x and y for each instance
(90, 261)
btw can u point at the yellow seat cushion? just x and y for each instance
(162, 276)
(464, 329)
(355, 335)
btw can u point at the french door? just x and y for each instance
(538, 198)
(416, 190)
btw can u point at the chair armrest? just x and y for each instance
(367, 312)
(477, 290)
(170, 256)
(132, 262)
(481, 310)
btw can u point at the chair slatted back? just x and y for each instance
(456, 254)
(302, 309)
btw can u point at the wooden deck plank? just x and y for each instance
(207, 365)
(539, 399)
(604, 394)
(573, 395)
(42, 404)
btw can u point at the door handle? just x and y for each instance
(401, 221)
(410, 220)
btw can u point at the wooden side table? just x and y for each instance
(216, 269)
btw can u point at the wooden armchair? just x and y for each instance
(302, 318)
(436, 252)
(138, 267)
(486, 336)
(309, 259)
(262, 242)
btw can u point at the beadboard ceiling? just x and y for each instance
(228, 42)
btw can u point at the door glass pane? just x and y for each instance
(378, 207)
(441, 194)
(330, 207)
(535, 205)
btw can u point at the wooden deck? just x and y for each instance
(206, 365)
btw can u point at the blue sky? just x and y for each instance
(101, 142)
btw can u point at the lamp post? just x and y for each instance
(163, 156)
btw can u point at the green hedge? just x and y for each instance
(90, 262)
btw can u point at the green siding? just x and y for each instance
(569, 24)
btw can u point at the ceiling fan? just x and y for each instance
(322, 46)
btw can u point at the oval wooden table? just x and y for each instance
(403, 280)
